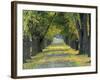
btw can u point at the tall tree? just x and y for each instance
(83, 26)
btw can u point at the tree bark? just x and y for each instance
(26, 48)
(36, 46)
(84, 38)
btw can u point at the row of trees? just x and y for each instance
(39, 28)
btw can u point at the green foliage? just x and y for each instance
(39, 24)
(69, 29)
(36, 22)
(52, 31)
(47, 24)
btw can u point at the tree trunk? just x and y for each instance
(26, 48)
(84, 39)
(36, 46)
(45, 43)
(81, 41)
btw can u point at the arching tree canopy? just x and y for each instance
(39, 24)
(41, 27)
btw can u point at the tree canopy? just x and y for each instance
(44, 25)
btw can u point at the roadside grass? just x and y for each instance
(33, 62)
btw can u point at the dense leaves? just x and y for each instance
(45, 25)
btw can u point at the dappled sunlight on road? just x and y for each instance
(58, 54)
